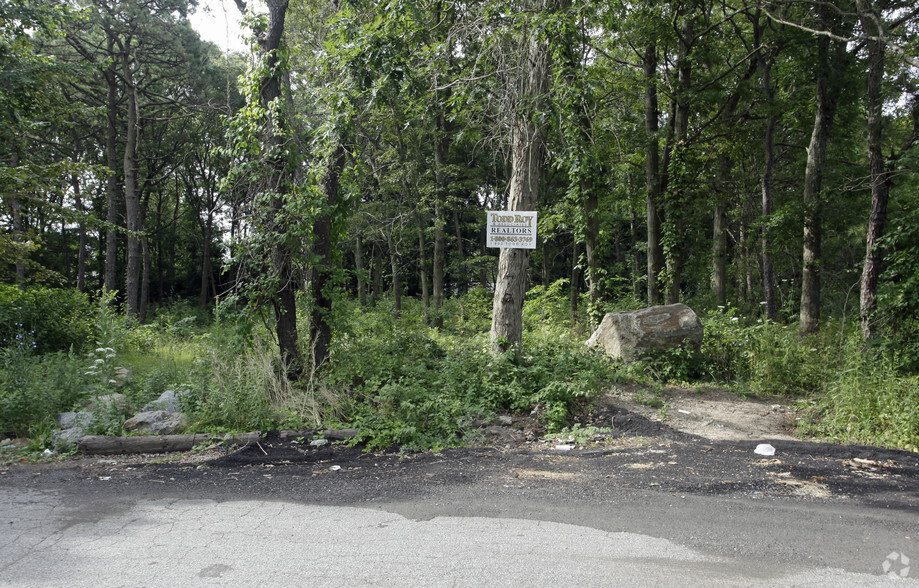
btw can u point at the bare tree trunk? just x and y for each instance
(591, 204)
(205, 260)
(719, 253)
(112, 189)
(636, 257)
(766, 188)
(394, 267)
(809, 319)
(131, 196)
(423, 268)
(359, 269)
(653, 176)
(82, 244)
(145, 279)
(676, 190)
(574, 290)
(527, 152)
(377, 273)
(321, 271)
(880, 186)
(462, 280)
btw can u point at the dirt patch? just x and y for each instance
(713, 413)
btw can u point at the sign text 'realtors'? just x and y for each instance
(511, 229)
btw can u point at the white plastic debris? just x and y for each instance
(319, 442)
(681, 411)
(335, 468)
(764, 449)
(47, 452)
(564, 447)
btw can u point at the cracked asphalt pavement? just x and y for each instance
(650, 510)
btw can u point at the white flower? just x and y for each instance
(99, 361)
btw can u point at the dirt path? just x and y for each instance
(713, 413)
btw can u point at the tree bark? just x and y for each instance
(655, 219)
(880, 179)
(527, 152)
(111, 158)
(574, 290)
(719, 253)
(131, 196)
(394, 267)
(359, 269)
(423, 268)
(809, 317)
(769, 287)
(321, 271)
(591, 206)
(675, 195)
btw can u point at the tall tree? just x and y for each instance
(527, 151)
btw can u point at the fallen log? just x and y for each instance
(97, 444)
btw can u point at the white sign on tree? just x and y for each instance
(511, 229)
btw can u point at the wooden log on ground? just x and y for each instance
(96, 444)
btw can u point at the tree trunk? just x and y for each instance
(321, 271)
(769, 286)
(719, 253)
(145, 279)
(270, 86)
(394, 267)
(83, 242)
(131, 196)
(880, 186)
(591, 205)
(655, 219)
(809, 319)
(205, 260)
(111, 158)
(636, 257)
(377, 273)
(462, 280)
(423, 268)
(676, 195)
(359, 270)
(574, 290)
(527, 151)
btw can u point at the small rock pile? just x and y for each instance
(162, 416)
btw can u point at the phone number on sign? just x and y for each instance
(500, 239)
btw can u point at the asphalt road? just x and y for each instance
(520, 515)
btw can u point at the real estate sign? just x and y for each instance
(511, 229)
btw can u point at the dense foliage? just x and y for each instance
(297, 235)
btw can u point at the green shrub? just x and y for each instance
(44, 319)
(867, 402)
(33, 389)
(419, 387)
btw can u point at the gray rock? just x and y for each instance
(107, 403)
(73, 427)
(168, 402)
(630, 335)
(156, 422)
(70, 420)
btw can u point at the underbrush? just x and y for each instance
(411, 385)
(402, 381)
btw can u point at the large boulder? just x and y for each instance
(168, 401)
(73, 426)
(156, 422)
(630, 335)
